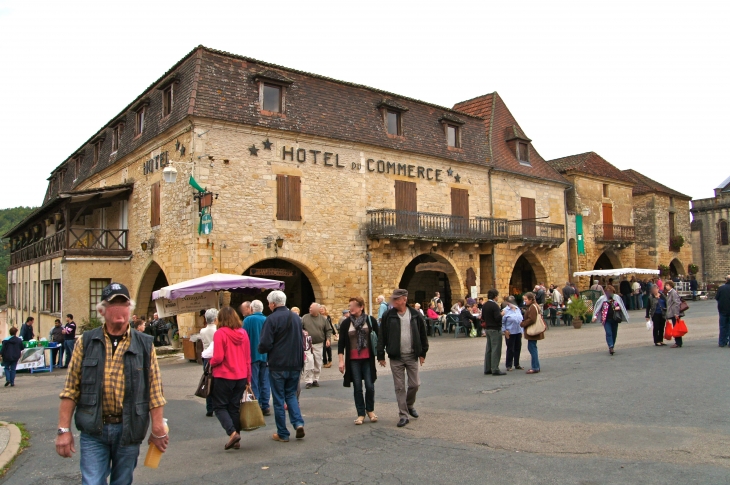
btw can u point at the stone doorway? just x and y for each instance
(676, 268)
(154, 279)
(426, 275)
(298, 287)
(526, 273)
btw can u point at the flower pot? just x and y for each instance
(175, 344)
(577, 323)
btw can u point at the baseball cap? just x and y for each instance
(114, 290)
(399, 293)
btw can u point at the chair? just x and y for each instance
(453, 320)
(433, 326)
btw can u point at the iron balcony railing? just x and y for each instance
(613, 233)
(79, 239)
(536, 232)
(389, 223)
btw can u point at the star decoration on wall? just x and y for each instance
(457, 177)
(254, 151)
(267, 144)
(450, 172)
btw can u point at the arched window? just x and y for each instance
(722, 230)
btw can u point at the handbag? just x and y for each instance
(683, 306)
(538, 327)
(206, 382)
(250, 413)
(680, 328)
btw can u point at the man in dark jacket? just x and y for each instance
(403, 336)
(723, 308)
(568, 292)
(281, 339)
(12, 348)
(26, 330)
(625, 287)
(57, 337)
(492, 317)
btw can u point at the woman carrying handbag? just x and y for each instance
(673, 313)
(537, 332)
(611, 311)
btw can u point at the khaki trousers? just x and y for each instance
(407, 365)
(311, 373)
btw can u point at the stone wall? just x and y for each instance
(652, 231)
(712, 257)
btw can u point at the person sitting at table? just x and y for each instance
(467, 319)
(431, 312)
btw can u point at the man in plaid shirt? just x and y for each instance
(113, 399)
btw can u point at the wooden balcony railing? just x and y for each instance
(78, 239)
(534, 232)
(389, 223)
(613, 233)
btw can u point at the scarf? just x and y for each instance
(362, 333)
(604, 312)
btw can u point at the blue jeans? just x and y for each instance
(611, 328)
(68, 348)
(260, 383)
(104, 455)
(209, 399)
(10, 371)
(57, 355)
(284, 390)
(532, 349)
(361, 372)
(724, 330)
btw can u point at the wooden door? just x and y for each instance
(529, 225)
(607, 222)
(406, 207)
(460, 211)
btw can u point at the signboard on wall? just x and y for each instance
(281, 272)
(188, 304)
(438, 267)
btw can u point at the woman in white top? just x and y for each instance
(206, 336)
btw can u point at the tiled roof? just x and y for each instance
(725, 185)
(590, 163)
(645, 185)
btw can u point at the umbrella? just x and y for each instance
(215, 282)
(616, 272)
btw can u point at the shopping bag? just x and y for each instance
(680, 328)
(250, 413)
(649, 325)
(205, 384)
(668, 334)
(473, 332)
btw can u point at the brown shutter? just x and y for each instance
(529, 225)
(460, 203)
(406, 200)
(155, 204)
(282, 206)
(295, 198)
(608, 222)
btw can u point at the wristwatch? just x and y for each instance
(63, 430)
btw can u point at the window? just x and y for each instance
(77, 167)
(35, 296)
(139, 121)
(97, 152)
(393, 122)
(96, 285)
(288, 198)
(672, 231)
(46, 296)
(272, 98)
(671, 202)
(167, 100)
(155, 204)
(722, 236)
(606, 191)
(406, 206)
(452, 135)
(523, 153)
(25, 296)
(116, 136)
(56, 304)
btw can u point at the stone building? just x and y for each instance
(303, 178)
(662, 222)
(710, 245)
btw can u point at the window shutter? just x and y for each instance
(282, 206)
(155, 204)
(529, 225)
(460, 203)
(295, 198)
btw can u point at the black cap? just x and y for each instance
(114, 290)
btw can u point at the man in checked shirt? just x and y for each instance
(114, 385)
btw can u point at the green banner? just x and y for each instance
(206, 221)
(579, 233)
(195, 184)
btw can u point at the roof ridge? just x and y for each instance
(493, 93)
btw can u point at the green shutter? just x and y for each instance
(579, 233)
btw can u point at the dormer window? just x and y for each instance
(523, 150)
(392, 113)
(117, 136)
(97, 152)
(452, 127)
(139, 120)
(272, 98)
(393, 123)
(452, 136)
(167, 101)
(519, 144)
(97, 144)
(272, 92)
(76, 164)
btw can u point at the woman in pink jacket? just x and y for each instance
(231, 367)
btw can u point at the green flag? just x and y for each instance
(195, 184)
(579, 233)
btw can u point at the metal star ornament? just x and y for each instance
(450, 172)
(267, 144)
(254, 151)
(457, 177)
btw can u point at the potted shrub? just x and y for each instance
(578, 309)
(664, 270)
(693, 268)
(676, 243)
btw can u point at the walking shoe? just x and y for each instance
(402, 422)
(327, 365)
(209, 413)
(315, 384)
(7, 384)
(308, 386)
(413, 412)
(267, 411)
(276, 437)
(235, 438)
(509, 369)
(499, 373)
(519, 367)
(300, 432)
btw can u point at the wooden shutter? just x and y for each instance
(460, 203)
(406, 200)
(529, 225)
(288, 198)
(608, 222)
(155, 204)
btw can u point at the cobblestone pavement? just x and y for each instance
(646, 415)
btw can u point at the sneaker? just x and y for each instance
(328, 365)
(209, 413)
(267, 411)
(315, 384)
(7, 384)
(308, 386)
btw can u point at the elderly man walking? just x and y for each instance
(281, 340)
(253, 324)
(114, 398)
(320, 330)
(723, 309)
(206, 336)
(403, 336)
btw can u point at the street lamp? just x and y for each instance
(169, 173)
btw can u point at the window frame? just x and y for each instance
(457, 135)
(271, 85)
(95, 294)
(606, 191)
(77, 167)
(526, 159)
(139, 119)
(398, 122)
(167, 100)
(97, 152)
(117, 131)
(722, 235)
(288, 197)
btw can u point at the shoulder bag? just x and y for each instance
(538, 327)
(206, 382)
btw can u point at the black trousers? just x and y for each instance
(227, 395)
(514, 348)
(659, 321)
(326, 354)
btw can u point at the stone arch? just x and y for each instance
(608, 260)
(676, 268)
(153, 278)
(456, 281)
(526, 260)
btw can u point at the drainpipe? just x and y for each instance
(491, 214)
(369, 259)
(567, 245)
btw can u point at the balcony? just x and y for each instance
(74, 242)
(530, 232)
(614, 235)
(392, 224)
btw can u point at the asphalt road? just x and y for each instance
(646, 415)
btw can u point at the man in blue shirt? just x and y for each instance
(253, 324)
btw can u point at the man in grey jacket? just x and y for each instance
(320, 330)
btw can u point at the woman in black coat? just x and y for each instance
(357, 353)
(12, 348)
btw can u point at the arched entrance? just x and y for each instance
(298, 287)
(424, 276)
(676, 268)
(526, 273)
(154, 279)
(607, 260)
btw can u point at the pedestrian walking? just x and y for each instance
(656, 312)
(114, 385)
(357, 358)
(320, 330)
(26, 330)
(625, 288)
(693, 287)
(231, 369)
(12, 348)
(673, 302)
(723, 309)
(206, 336)
(281, 340)
(327, 350)
(56, 337)
(69, 339)
(492, 318)
(597, 287)
(610, 310)
(403, 336)
(512, 330)
(253, 324)
(382, 307)
(531, 314)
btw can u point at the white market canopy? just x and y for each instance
(616, 272)
(215, 282)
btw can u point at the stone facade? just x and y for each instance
(711, 250)
(651, 217)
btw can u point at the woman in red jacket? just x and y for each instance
(231, 367)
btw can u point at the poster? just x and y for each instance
(474, 292)
(32, 359)
(188, 304)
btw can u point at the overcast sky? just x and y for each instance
(643, 84)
